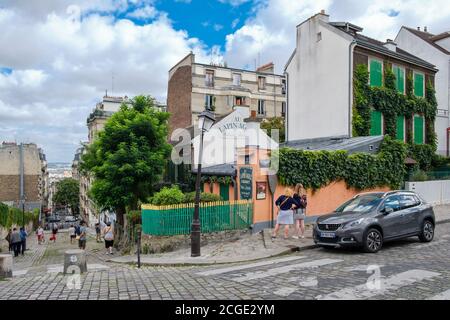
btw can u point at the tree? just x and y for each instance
(274, 123)
(68, 194)
(128, 157)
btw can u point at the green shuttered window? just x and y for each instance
(376, 73)
(419, 85)
(401, 128)
(376, 123)
(419, 128)
(400, 78)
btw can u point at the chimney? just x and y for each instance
(391, 45)
(323, 16)
(418, 28)
(425, 29)
(267, 68)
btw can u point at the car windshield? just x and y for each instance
(361, 204)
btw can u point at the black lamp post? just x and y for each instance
(205, 122)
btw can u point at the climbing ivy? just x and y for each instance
(316, 169)
(226, 180)
(391, 104)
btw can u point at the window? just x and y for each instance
(261, 107)
(376, 73)
(319, 36)
(376, 123)
(399, 78)
(361, 204)
(393, 202)
(408, 201)
(209, 78)
(419, 84)
(419, 129)
(283, 86)
(239, 101)
(283, 109)
(236, 79)
(209, 102)
(261, 83)
(400, 128)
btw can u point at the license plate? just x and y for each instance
(328, 235)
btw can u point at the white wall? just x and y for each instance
(416, 46)
(318, 83)
(434, 192)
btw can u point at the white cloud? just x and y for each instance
(146, 12)
(270, 33)
(62, 66)
(218, 27)
(234, 3)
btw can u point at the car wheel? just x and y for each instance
(427, 232)
(373, 241)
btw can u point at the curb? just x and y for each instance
(443, 221)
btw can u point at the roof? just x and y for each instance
(373, 44)
(358, 144)
(227, 169)
(429, 38)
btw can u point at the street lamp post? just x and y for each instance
(205, 122)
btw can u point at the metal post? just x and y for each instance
(139, 231)
(196, 227)
(23, 213)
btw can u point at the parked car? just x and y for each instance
(70, 219)
(368, 220)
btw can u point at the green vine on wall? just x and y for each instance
(225, 180)
(316, 169)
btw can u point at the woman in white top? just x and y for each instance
(108, 235)
(72, 233)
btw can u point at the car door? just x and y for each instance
(392, 223)
(411, 212)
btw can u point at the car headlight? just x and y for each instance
(353, 223)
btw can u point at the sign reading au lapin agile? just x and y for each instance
(246, 183)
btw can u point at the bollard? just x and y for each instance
(75, 261)
(6, 265)
(139, 233)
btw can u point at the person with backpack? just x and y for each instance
(300, 212)
(83, 236)
(286, 204)
(108, 235)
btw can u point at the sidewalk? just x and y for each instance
(250, 248)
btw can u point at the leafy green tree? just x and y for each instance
(68, 194)
(276, 123)
(128, 157)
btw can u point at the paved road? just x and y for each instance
(402, 270)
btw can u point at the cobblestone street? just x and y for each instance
(402, 270)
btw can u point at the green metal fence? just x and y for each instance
(214, 217)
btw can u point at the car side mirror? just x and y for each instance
(388, 210)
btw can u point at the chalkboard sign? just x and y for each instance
(246, 183)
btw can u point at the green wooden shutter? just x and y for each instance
(224, 192)
(376, 128)
(418, 85)
(401, 128)
(400, 79)
(418, 130)
(376, 74)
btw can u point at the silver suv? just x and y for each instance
(370, 219)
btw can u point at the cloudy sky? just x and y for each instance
(57, 57)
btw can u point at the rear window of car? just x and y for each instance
(409, 201)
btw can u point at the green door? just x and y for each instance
(224, 192)
(401, 128)
(376, 128)
(418, 130)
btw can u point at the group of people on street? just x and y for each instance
(292, 210)
(80, 233)
(17, 241)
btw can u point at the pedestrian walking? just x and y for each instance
(98, 232)
(16, 242)
(23, 238)
(286, 204)
(300, 212)
(108, 235)
(8, 238)
(54, 232)
(77, 231)
(72, 233)
(40, 235)
(83, 236)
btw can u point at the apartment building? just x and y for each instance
(320, 80)
(23, 176)
(194, 87)
(434, 48)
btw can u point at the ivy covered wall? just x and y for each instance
(392, 104)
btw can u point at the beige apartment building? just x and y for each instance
(24, 177)
(195, 87)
